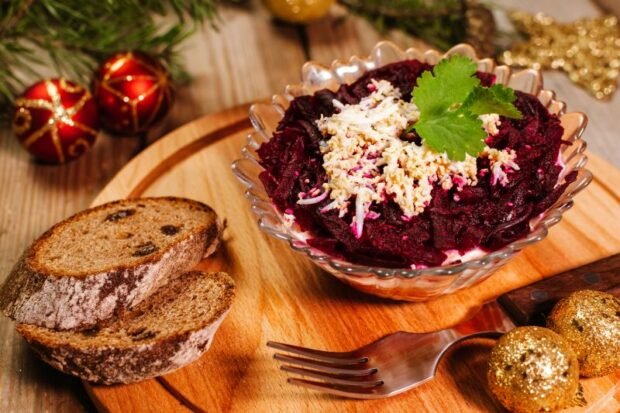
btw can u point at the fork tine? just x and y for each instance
(331, 378)
(324, 367)
(337, 389)
(344, 358)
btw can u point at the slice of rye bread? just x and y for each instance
(170, 329)
(103, 261)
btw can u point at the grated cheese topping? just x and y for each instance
(367, 162)
(501, 162)
(490, 122)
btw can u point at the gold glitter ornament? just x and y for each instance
(533, 369)
(590, 322)
(298, 11)
(588, 50)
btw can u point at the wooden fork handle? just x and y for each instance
(531, 304)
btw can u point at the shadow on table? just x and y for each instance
(51, 381)
(467, 366)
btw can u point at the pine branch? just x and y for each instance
(71, 37)
(438, 22)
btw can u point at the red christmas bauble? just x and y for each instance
(56, 120)
(133, 92)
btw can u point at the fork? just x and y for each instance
(401, 361)
(388, 366)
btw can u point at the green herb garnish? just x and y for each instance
(450, 100)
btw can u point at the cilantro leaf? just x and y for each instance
(495, 99)
(450, 99)
(454, 132)
(451, 82)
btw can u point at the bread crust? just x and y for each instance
(142, 360)
(32, 294)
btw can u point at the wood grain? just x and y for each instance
(250, 58)
(282, 296)
(123, 398)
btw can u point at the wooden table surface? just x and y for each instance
(248, 59)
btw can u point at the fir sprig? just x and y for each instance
(442, 23)
(71, 37)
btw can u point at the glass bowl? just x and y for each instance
(405, 283)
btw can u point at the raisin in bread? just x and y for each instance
(103, 261)
(170, 329)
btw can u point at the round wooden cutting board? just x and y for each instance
(282, 296)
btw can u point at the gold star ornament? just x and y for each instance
(588, 50)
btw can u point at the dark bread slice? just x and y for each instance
(170, 329)
(103, 261)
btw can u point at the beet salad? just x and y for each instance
(413, 166)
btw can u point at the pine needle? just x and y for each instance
(441, 23)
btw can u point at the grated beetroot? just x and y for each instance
(485, 216)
